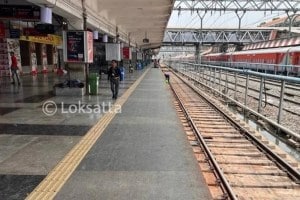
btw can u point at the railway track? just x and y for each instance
(236, 162)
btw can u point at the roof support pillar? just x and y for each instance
(86, 65)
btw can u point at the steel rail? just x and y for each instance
(293, 173)
(216, 169)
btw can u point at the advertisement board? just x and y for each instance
(127, 53)
(78, 46)
(89, 47)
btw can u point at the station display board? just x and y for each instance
(78, 46)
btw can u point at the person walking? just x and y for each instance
(14, 68)
(114, 74)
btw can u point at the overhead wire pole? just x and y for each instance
(240, 17)
(199, 44)
(291, 21)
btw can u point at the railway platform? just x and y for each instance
(139, 153)
(142, 154)
(32, 143)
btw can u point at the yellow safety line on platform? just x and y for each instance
(55, 180)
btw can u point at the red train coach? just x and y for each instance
(285, 59)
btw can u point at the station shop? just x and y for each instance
(34, 42)
(35, 54)
(40, 54)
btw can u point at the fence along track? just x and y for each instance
(246, 166)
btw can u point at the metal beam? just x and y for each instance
(237, 5)
(213, 36)
(177, 49)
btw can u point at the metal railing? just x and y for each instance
(277, 69)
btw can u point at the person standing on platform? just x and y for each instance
(114, 74)
(167, 77)
(130, 67)
(14, 68)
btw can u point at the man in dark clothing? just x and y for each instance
(114, 74)
(167, 76)
(14, 68)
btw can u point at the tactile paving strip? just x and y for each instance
(55, 180)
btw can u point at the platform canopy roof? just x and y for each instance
(139, 18)
(134, 19)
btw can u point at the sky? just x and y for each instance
(187, 19)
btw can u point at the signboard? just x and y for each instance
(90, 48)
(127, 53)
(113, 51)
(22, 12)
(75, 46)
(78, 46)
(49, 39)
